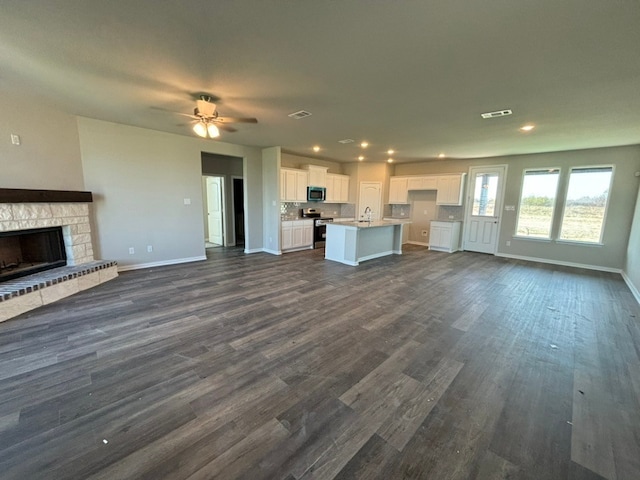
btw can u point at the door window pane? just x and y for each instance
(484, 195)
(586, 204)
(537, 202)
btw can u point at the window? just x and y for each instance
(537, 202)
(484, 196)
(586, 204)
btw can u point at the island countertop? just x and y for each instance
(354, 242)
(372, 224)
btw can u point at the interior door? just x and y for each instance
(484, 208)
(215, 212)
(370, 196)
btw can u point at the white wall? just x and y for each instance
(632, 264)
(140, 179)
(49, 155)
(611, 255)
(271, 199)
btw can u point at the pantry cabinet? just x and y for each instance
(444, 236)
(293, 185)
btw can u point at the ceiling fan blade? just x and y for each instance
(195, 117)
(236, 120)
(227, 128)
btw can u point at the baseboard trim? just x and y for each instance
(253, 250)
(163, 263)
(422, 244)
(632, 287)
(559, 262)
(272, 252)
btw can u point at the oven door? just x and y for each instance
(319, 234)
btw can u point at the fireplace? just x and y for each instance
(24, 252)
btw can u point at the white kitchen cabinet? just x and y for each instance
(337, 188)
(422, 183)
(293, 185)
(317, 175)
(398, 192)
(450, 189)
(296, 234)
(444, 236)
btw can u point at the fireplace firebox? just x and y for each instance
(24, 252)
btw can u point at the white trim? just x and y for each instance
(272, 252)
(632, 287)
(376, 255)
(422, 244)
(253, 250)
(559, 262)
(175, 261)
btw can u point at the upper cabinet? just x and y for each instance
(449, 188)
(337, 188)
(293, 185)
(317, 175)
(398, 192)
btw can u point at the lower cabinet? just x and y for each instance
(297, 234)
(444, 236)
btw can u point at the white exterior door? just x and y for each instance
(215, 210)
(484, 208)
(370, 196)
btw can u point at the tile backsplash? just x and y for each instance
(290, 210)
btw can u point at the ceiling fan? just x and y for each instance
(209, 123)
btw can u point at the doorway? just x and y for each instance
(484, 208)
(214, 191)
(238, 210)
(370, 196)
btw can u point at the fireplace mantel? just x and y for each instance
(19, 195)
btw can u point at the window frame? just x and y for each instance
(550, 238)
(606, 207)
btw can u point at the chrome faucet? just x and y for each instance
(367, 212)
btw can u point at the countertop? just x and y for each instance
(373, 224)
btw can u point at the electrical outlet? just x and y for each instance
(508, 243)
(187, 201)
(450, 217)
(131, 251)
(149, 248)
(15, 139)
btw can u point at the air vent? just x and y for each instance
(300, 114)
(346, 140)
(499, 113)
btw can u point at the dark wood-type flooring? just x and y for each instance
(420, 366)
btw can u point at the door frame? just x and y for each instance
(469, 202)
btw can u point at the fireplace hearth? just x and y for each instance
(24, 252)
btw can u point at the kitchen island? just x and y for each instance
(354, 242)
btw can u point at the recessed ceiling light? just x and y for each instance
(390, 160)
(442, 155)
(391, 151)
(361, 158)
(364, 144)
(346, 140)
(527, 128)
(316, 148)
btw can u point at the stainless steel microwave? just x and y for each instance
(316, 194)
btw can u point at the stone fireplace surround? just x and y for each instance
(29, 209)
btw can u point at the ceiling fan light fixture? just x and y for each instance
(201, 129)
(213, 131)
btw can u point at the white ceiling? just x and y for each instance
(412, 75)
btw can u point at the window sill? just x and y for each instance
(533, 239)
(582, 244)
